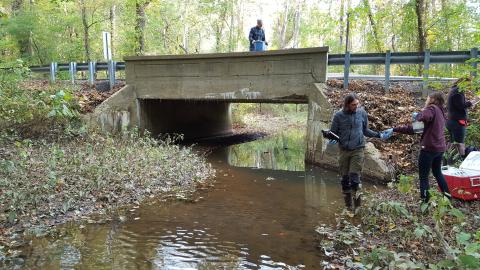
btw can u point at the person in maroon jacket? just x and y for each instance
(432, 143)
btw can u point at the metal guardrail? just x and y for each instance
(346, 60)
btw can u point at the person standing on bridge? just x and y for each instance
(256, 34)
(351, 126)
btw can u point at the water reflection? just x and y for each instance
(283, 152)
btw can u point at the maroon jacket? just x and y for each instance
(433, 136)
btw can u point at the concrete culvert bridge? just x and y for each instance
(191, 94)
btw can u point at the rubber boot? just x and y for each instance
(347, 196)
(347, 192)
(356, 190)
(357, 201)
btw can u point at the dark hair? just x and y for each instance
(349, 99)
(437, 98)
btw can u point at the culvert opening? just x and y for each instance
(220, 122)
(195, 119)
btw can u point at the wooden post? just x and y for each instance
(92, 66)
(388, 55)
(426, 70)
(474, 54)
(346, 70)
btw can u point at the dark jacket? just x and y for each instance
(433, 136)
(256, 34)
(457, 105)
(351, 127)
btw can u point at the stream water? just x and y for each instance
(261, 214)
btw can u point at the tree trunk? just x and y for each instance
(283, 31)
(420, 11)
(447, 25)
(185, 29)
(86, 44)
(421, 36)
(16, 6)
(378, 45)
(341, 22)
(296, 26)
(113, 26)
(140, 20)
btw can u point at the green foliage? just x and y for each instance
(29, 112)
(473, 134)
(379, 258)
(405, 183)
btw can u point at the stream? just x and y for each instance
(260, 214)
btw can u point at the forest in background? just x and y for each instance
(42, 31)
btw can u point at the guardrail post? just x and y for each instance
(72, 70)
(111, 73)
(474, 54)
(346, 70)
(92, 67)
(388, 56)
(53, 71)
(426, 70)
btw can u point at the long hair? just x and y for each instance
(349, 99)
(437, 98)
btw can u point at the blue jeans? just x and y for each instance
(426, 161)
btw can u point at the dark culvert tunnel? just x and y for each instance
(195, 119)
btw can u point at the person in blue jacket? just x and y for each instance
(256, 33)
(350, 124)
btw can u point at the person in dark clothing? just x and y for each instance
(256, 33)
(351, 126)
(457, 115)
(432, 143)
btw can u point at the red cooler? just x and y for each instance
(464, 182)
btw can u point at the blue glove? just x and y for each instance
(414, 116)
(332, 142)
(386, 134)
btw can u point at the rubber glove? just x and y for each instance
(386, 134)
(414, 116)
(332, 142)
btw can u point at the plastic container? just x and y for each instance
(418, 126)
(259, 45)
